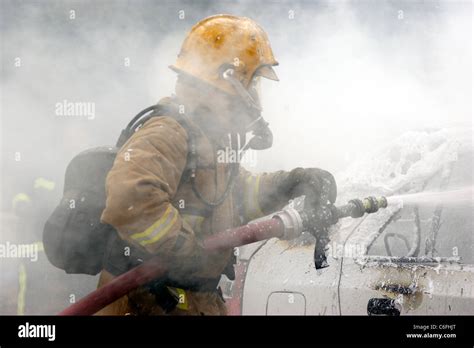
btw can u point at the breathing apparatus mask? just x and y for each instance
(248, 102)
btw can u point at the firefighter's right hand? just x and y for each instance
(182, 266)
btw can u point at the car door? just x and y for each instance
(421, 260)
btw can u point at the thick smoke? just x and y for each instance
(353, 75)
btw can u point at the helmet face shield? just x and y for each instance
(255, 85)
(262, 136)
(255, 90)
(268, 72)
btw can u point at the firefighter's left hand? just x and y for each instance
(316, 184)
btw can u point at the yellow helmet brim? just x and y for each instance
(268, 72)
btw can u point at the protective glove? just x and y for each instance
(181, 267)
(184, 266)
(317, 185)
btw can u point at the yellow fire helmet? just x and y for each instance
(223, 41)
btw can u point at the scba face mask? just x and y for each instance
(248, 103)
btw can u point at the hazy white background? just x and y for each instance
(353, 74)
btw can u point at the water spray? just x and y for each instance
(456, 196)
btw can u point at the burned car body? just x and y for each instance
(415, 257)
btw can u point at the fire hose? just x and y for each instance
(286, 224)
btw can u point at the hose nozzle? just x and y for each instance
(373, 204)
(358, 207)
(323, 217)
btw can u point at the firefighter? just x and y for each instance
(167, 191)
(31, 211)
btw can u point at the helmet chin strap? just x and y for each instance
(263, 137)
